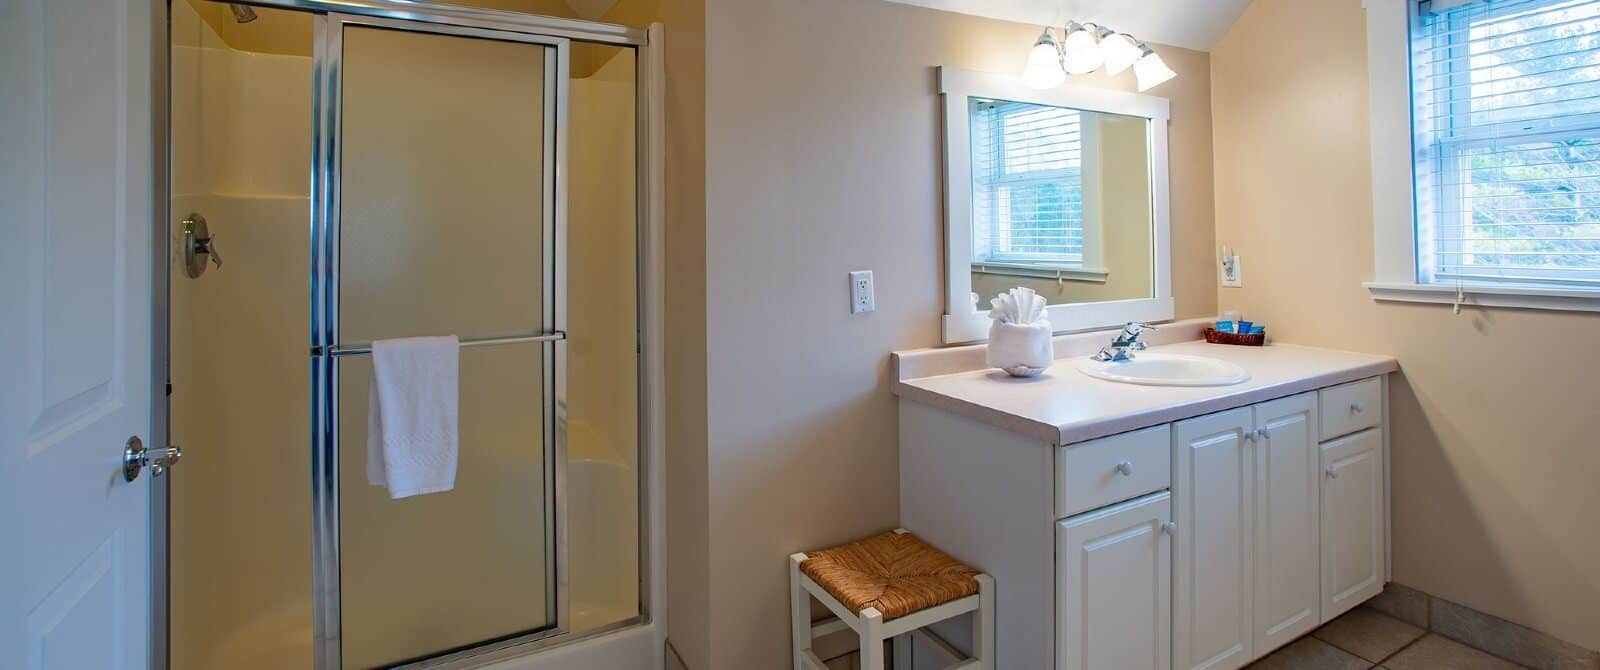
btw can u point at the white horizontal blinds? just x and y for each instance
(1027, 183)
(1507, 115)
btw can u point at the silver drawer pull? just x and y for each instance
(1357, 408)
(1331, 472)
(1169, 528)
(1125, 468)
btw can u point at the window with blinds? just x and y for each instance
(1506, 110)
(1027, 184)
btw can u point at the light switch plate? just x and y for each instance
(861, 298)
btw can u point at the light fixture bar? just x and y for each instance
(1084, 47)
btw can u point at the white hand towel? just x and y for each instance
(1019, 337)
(412, 404)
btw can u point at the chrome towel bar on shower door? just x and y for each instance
(358, 349)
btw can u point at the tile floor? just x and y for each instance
(1365, 638)
(1361, 639)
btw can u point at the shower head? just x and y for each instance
(241, 13)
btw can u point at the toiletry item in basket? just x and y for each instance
(1019, 336)
(1224, 326)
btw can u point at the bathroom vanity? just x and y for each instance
(1151, 527)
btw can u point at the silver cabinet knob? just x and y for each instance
(1169, 528)
(1331, 472)
(1357, 408)
(135, 458)
(1125, 468)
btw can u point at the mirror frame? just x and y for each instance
(961, 322)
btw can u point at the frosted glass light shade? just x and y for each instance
(1044, 65)
(1120, 51)
(1082, 50)
(1150, 70)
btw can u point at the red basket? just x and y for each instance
(1253, 340)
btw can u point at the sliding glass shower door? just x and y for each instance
(441, 186)
(428, 170)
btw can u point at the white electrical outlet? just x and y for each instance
(861, 300)
(1231, 271)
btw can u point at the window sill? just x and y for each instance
(1488, 296)
(1094, 275)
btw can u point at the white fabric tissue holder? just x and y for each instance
(412, 402)
(1019, 336)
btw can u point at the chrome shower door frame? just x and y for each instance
(327, 107)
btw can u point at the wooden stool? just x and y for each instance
(884, 587)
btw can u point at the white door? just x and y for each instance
(1114, 587)
(1286, 575)
(1214, 491)
(75, 184)
(1352, 521)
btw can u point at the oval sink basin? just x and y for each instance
(1167, 370)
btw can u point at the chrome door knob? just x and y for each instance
(135, 458)
(1169, 528)
(1125, 468)
(1331, 472)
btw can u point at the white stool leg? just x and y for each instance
(799, 613)
(902, 652)
(983, 636)
(871, 639)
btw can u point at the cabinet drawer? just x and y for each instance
(1347, 408)
(1112, 469)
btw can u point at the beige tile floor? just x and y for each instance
(1365, 638)
(1361, 639)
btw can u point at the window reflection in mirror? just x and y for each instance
(1061, 203)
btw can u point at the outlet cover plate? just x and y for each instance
(1231, 274)
(861, 293)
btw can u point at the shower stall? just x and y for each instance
(376, 169)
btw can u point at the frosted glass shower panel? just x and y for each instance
(446, 227)
(443, 185)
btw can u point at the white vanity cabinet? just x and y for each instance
(1114, 587)
(1352, 521)
(1204, 541)
(1286, 511)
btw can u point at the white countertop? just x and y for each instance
(1063, 405)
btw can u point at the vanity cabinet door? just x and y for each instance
(1114, 587)
(1213, 493)
(1352, 521)
(1287, 490)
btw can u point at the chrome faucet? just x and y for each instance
(1127, 342)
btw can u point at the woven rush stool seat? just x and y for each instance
(894, 573)
(890, 586)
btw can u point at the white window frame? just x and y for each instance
(1394, 230)
(965, 322)
(1049, 265)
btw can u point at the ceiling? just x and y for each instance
(1191, 24)
(591, 9)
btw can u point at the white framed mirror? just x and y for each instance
(1063, 191)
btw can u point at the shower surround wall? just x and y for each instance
(241, 555)
(241, 506)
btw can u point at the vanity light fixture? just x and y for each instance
(1080, 51)
(1044, 64)
(1084, 48)
(1150, 70)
